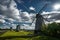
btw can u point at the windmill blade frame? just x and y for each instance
(40, 11)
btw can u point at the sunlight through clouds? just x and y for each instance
(56, 6)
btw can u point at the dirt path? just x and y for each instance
(2, 32)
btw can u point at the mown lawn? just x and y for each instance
(24, 33)
(13, 33)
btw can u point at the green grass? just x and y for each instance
(36, 38)
(13, 33)
(20, 33)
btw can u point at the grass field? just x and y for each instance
(13, 33)
(18, 36)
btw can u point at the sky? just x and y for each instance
(22, 12)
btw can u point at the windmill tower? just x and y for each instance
(17, 28)
(38, 24)
(39, 21)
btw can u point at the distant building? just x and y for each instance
(11, 29)
(17, 28)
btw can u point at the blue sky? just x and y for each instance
(13, 12)
(25, 4)
(37, 4)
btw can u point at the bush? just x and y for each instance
(52, 29)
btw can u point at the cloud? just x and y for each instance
(9, 14)
(31, 8)
(14, 26)
(53, 16)
(2, 21)
(28, 27)
(26, 17)
(10, 11)
(2, 17)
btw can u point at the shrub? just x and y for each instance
(52, 29)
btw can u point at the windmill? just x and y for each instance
(17, 28)
(39, 19)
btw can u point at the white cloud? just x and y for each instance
(2, 17)
(58, 21)
(31, 8)
(13, 26)
(53, 16)
(28, 27)
(10, 10)
(11, 19)
(2, 21)
(26, 17)
(52, 12)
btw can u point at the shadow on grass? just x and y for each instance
(11, 37)
(28, 36)
(25, 36)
